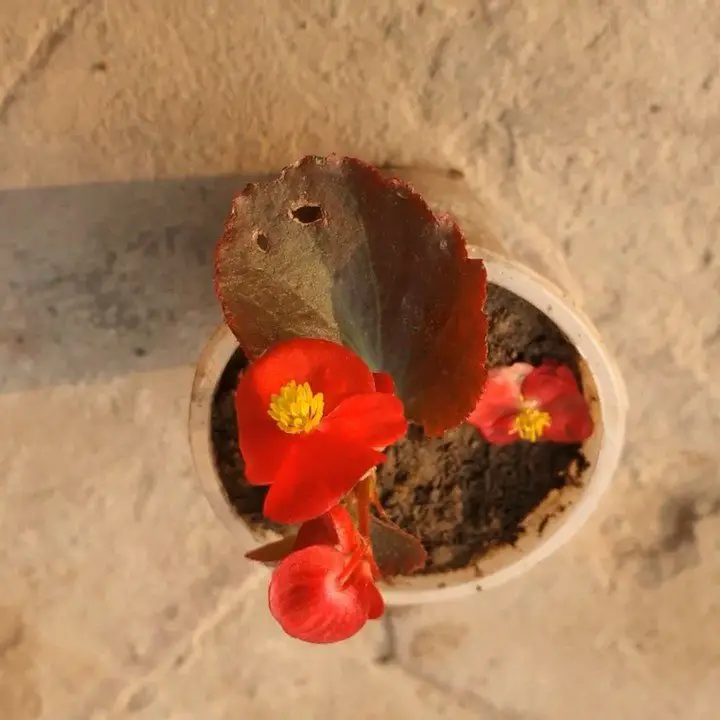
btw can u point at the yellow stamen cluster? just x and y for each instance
(530, 423)
(295, 409)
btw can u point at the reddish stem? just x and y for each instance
(366, 496)
(375, 501)
(354, 560)
(363, 495)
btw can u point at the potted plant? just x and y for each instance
(407, 429)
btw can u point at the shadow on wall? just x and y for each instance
(101, 280)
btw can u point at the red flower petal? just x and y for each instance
(263, 446)
(501, 432)
(329, 368)
(375, 419)
(570, 420)
(334, 528)
(500, 402)
(548, 382)
(554, 388)
(370, 596)
(317, 474)
(309, 602)
(384, 383)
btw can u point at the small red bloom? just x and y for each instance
(310, 421)
(522, 402)
(384, 383)
(324, 591)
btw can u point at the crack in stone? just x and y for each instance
(390, 655)
(511, 152)
(60, 30)
(466, 699)
(139, 692)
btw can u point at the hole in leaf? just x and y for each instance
(307, 214)
(263, 241)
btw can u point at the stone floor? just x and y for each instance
(591, 129)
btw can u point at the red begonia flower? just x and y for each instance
(522, 402)
(310, 422)
(324, 591)
(384, 383)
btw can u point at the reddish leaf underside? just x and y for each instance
(332, 249)
(395, 551)
(273, 552)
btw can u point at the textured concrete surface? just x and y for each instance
(592, 129)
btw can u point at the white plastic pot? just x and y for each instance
(568, 508)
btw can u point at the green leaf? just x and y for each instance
(332, 249)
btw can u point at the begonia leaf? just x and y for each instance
(395, 551)
(272, 553)
(333, 249)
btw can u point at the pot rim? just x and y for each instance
(553, 302)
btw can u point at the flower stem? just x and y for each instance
(363, 494)
(366, 496)
(353, 562)
(375, 501)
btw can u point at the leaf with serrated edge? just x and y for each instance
(332, 249)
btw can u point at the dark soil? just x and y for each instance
(458, 494)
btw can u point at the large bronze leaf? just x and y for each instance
(332, 249)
